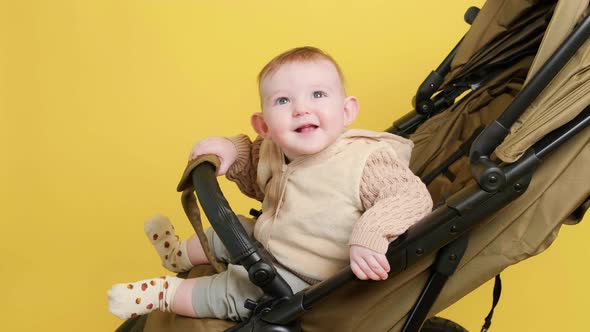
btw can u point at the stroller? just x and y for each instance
(501, 141)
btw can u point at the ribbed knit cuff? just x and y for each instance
(374, 241)
(243, 145)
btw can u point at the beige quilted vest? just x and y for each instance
(312, 203)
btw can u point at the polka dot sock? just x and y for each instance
(172, 251)
(139, 298)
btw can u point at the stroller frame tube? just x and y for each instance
(446, 263)
(560, 135)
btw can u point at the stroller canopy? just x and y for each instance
(505, 28)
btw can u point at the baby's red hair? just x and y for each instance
(299, 54)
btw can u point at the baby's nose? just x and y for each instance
(301, 109)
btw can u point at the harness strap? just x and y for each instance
(497, 293)
(191, 208)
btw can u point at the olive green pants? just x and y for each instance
(223, 295)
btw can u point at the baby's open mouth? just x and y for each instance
(306, 128)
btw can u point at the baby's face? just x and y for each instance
(305, 107)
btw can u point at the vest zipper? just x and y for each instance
(282, 188)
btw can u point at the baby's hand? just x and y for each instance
(219, 146)
(368, 264)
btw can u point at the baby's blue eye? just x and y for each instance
(282, 101)
(319, 94)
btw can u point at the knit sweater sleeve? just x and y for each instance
(394, 199)
(244, 170)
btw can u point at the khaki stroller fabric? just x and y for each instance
(564, 98)
(498, 27)
(565, 17)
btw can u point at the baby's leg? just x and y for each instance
(182, 303)
(221, 296)
(139, 298)
(176, 255)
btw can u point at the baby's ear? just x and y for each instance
(351, 110)
(259, 125)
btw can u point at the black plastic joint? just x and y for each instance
(489, 176)
(407, 124)
(249, 260)
(261, 273)
(423, 103)
(255, 213)
(250, 304)
(470, 15)
(287, 311)
(425, 107)
(450, 256)
(486, 142)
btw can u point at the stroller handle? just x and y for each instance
(233, 235)
(220, 215)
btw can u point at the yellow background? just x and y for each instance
(100, 102)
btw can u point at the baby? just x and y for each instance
(330, 196)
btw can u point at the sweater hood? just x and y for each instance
(275, 158)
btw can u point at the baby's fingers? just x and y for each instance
(358, 272)
(195, 152)
(382, 259)
(202, 147)
(376, 268)
(368, 270)
(223, 166)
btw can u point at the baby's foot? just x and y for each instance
(172, 251)
(139, 298)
